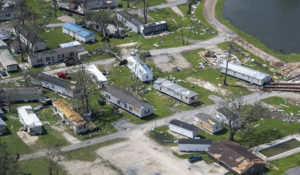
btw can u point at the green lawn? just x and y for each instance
(44, 10)
(251, 39)
(139, 4)
(278, 167)
(54, 37)
(162, 137)
(88, 153)
(283, 105)
(39, 166)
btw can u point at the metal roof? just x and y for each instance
(139, 65)
(130, 18)
(195, 141)
(28, 116)
(67, 110)
(207, 118)
(77, 48)
(2, 122)
(6, 58)
(245, 71)
(175, 87)
(125, 97)
(93, 70)
(51, 79)
(69, 44)
(155, 23)
(184, 125)
(77, 29)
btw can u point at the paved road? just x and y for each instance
(187, 115)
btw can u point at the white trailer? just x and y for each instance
(174, 90)
(184, 128)
(29, 120)
(139, 68)
(194, 145)
(96, 75)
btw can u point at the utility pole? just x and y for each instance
(226, 69)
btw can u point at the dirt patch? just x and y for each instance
(27, 139)
(66, 135)
(168, 63)
(207, 85)
(76, 167)
(128, 44)
(66, 18)
(177, 11)
(142, 156)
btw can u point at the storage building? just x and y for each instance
(194, 145)
(184, 128)
(8, 61)
(154, 28)
(29, 120)
(53, 56)
(139, 68)
(57, 85)
(96, 75)
(78, 32)
(72, 118)
(20, 94)
(130, 21)
(245, 73)
(208, 123)
(223, 114)
(236, 158)
(3, 127)
(174, 90)
(29, 38)
(126, 101)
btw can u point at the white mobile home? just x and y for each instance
(130, 21)
(8, 61)
(223, 114)
(245, 73)
(55, 84)
(174, 90)
(96, 75)
(3, 127)
(194, 145)
(207, 123)
(29, 120)
(78, 32)
(184, 128)
(139, 68)
(126, 101)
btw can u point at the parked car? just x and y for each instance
(195, 158)
(3, 73)
(63, 75)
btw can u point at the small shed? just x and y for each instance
(194, 145)
(174, 90)
(208, 123)
(96, 75)
(184, 128)
(29, 120)
(3, 127)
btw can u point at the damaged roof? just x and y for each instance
(207, 118)
(234, 156)
(184, 125)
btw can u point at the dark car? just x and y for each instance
(195, 158)
(3, 73)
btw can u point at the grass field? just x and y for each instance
(278, 167)
(162, 137)
(250, 38)
(88, 153)
(39, 166)
(139, 4)
(54, 37)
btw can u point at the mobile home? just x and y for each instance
(174, 90)
(208, 123)
(184, 128)
(29, 120)
(139, 68)
(194, 145)
(96, 75)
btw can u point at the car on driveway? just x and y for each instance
(3, 73)
(195, 158)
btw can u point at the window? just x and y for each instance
(62, 55)
(107, 96)
(125, 105)
(130, 108)
(118, 102)
(39, 60)
(71, 54)
(192, 98)
(47, 58)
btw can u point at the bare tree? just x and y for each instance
(232, 106)
(145, 11)
(54, 158)
(189, 6)
(229, 48)
(55, 6)
(110, 50)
